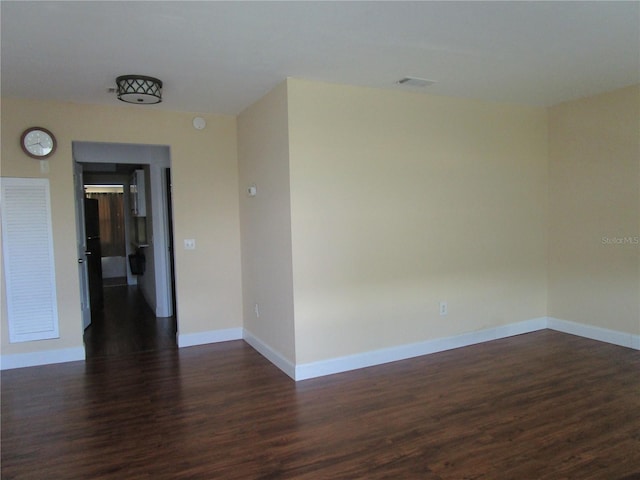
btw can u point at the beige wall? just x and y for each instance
(594, 150)
(372, 207)
(402, 200)
(205, 200)
(263, 158)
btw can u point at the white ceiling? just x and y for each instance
(222, 56)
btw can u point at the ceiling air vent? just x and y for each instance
(415, 82)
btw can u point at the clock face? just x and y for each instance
(38, 142)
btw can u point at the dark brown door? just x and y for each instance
(93, 253)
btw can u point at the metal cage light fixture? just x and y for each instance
(139, 89)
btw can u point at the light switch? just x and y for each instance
(189, 244)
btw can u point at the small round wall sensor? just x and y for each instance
(199, 123)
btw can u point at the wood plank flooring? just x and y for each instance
(127, 325)
(545, 405)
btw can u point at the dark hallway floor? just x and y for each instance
(127, 325)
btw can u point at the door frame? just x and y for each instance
(157, 158)
(81, 242)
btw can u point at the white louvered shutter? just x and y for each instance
(27, 242)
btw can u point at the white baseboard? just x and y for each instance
(46, 357)
(615, 337)
(211, 336)
(402, 352)
(349, 362)
(270, 354)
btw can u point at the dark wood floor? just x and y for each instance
(544, 405)
(127, 325)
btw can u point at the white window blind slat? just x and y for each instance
(27, 243)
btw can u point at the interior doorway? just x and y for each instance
(136, 255)
(105, 211)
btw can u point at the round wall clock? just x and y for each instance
(38, 142)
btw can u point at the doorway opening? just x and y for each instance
(125, 259)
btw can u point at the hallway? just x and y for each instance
(127, 325)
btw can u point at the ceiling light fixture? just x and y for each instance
(139, 89)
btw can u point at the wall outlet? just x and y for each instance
(189, 244)
(256, 308)
(444, 309)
